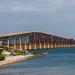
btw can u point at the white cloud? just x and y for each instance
(34, 5)
(29, 5)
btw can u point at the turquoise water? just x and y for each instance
(58, 62)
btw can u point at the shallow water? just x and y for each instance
(58, 62)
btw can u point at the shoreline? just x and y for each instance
(14, 59)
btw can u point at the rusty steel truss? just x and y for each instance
(35, 40)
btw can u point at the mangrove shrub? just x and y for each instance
(2, 56)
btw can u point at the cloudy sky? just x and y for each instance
(53, 16)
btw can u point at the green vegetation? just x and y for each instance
(16, 52)
(2, 56)
(39, 54)
(1, 50)
(34, 53)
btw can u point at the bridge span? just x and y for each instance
(35, 40)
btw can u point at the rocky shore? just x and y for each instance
(14, 59)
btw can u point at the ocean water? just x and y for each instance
(58, 62)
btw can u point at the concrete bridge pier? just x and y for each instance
(29, 46)
(25, 47)
(40, 46)
(52, 46)
(14, 46)
(55, 45)
(8, 43)
(35, 46)
(48, 45)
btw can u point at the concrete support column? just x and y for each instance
(25, 47)
(69, 45)
(58, 46)
(35, 46)
(40, 46)
(8, 43)
(14, 44)
(30, 46)
(48, 45)
(64, 45)
(20, 44)
(51, 45)
(44, 46)
(55, 46)
(61, 46)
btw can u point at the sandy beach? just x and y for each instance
(14, 59)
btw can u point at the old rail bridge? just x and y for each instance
(34, 40)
